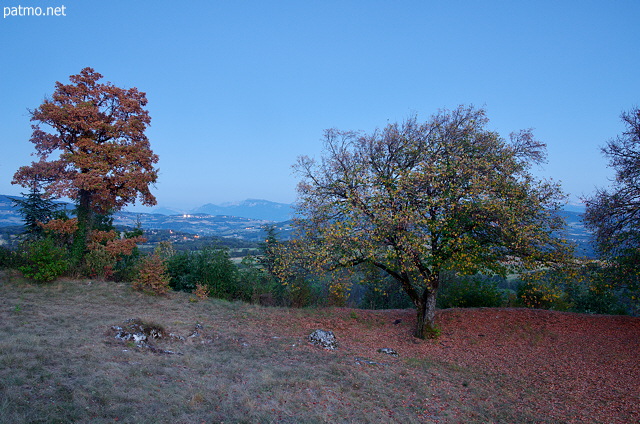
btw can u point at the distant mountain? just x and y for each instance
(222, 222)
(245, 220)
(250, 208)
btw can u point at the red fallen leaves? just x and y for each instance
(563, 367)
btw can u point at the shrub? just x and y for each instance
(201, 292)
(98, 263)
(598, 298)
(44, 261)
(298, 293)
(377, 290)
(470, 292)
(581, 287)
(127, 268)
(542, 295)
(10, 259)
(254, 281)
(109, 253)
(210, 267)
(339, 292)
(152, 277)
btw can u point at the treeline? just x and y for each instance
(46, 253)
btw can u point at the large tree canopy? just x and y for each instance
(416, 199)
(98, 132)
(614, 214)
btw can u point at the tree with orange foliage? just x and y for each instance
(416, 199)
(104, 157)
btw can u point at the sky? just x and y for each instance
(239, 89)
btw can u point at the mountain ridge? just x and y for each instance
(226, 223)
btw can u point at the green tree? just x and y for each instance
(35, 210)
(210, 267)
(415, 200)
(613, 214)
(105, 160)
(269, 249)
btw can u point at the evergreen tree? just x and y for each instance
(35, 210)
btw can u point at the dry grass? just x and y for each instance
(60, 363)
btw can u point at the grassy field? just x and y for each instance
(60, 363)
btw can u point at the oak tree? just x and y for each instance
(417, 199)
(613, 214)
(91, 144)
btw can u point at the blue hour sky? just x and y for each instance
(238, 90)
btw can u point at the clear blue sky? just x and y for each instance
(239, 89)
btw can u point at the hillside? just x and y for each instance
(233, 362)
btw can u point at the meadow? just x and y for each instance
(234, 362)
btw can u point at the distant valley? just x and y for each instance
(243, 220)
(246, 220)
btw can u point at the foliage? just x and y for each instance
(473, 291)
(378, 290)
(255, 281)
(105, 160)
(202, 292)
(386, 295)
(299, 285)
(614, 214)
(210, 267)
(108, 255)
(126, 267)
(152, 277)
(35, 210)
(10, 258)
(339, 291)
(44, 260)
(542, 294)
(269, 250)
(415, 200)
(599, 297)
(583, 287)
(106, 249)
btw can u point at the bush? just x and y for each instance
(209, 267)
(10, 259)
(585, 288)
(598, 298)
(254, 282)
(152, 277)
(474, 291)
(98, 263)
(44, 261)
(127, 268)
(541, 294)
(378, 290)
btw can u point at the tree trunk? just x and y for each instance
(86, 221)
(425, 325)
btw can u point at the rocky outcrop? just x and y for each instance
(388, 351)
(324, 339)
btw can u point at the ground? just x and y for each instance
(59, 362)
